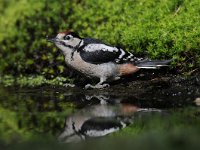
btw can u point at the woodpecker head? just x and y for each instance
(66, 41)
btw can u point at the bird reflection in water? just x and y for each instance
(101, 119)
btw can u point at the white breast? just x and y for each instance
(91, 70)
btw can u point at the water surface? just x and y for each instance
(71, 115)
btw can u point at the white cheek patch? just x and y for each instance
(74, 42)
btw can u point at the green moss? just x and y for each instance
(32, 81)
(159, 29)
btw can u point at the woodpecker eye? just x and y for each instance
(67, 37)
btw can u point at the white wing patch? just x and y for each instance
(122, 54)
(130, 55)
(103, 47)
(97, 133)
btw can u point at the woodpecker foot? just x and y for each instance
(68, 85)
(97, 86)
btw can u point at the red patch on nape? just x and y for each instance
(66, 32)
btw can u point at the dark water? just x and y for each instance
(71, 115)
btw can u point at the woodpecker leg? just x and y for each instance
(99, 85)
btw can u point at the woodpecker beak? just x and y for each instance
(53, 40)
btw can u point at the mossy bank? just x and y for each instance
(159, 29)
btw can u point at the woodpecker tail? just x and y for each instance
(152, 64)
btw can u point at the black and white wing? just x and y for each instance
(96, 52)
(101, 126)
(99, 53)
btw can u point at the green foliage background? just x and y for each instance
(158, 29)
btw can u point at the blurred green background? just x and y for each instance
(158, 29)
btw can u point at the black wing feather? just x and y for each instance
(99, 56)
(92, 41)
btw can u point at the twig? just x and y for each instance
(176, 12)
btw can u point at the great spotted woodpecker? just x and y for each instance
(95, 58)
(100, 120)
